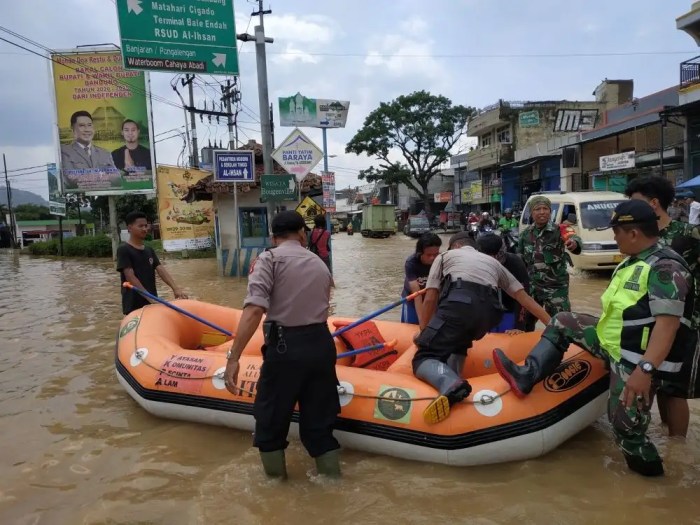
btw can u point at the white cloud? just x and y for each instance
(293, 54)
(415, 24)
(313, 29)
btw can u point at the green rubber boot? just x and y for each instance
(274, 464)
(328, 464)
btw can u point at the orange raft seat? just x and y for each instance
(172, 366)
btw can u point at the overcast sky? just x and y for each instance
(364, 51)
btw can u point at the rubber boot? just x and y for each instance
(645, 468)
(540, 362)
(274, 464)
(451, 386)
(328, 464)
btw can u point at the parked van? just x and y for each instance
(586, 211)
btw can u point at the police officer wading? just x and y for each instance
(461, 305)
(293, 286)
(644, 333)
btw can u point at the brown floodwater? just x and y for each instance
(76, 449)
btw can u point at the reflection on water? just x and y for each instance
(77, 449)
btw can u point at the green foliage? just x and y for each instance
(32, 212)
(125, 205)
(423, 127)
(87, 246)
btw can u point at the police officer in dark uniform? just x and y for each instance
(292, 285)
(462, 304)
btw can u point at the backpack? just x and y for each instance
(313, 246)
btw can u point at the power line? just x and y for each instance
(84, 69)
(495, 55)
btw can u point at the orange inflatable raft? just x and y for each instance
(172, 366)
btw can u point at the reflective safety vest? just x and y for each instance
(626, 323)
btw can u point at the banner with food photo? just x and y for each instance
(183, 225)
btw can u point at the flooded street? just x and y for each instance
(77, 449)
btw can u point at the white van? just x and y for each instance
(587, 210)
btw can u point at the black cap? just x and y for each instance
(633, 211)
(287, 222)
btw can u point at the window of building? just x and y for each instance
(503, 135)
(485, 140)
(253, 227)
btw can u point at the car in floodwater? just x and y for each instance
(416, 226)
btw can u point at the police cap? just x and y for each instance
(633, 211)
(287, 222)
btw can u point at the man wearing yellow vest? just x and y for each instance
(644, 333)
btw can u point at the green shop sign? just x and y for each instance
(278, 188)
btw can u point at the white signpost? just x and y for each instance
(297, 154)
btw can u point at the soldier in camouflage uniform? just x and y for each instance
(544, 251)
(643, 334)
(684, 239)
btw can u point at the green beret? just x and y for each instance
(539, 200)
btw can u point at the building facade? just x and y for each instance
(499, 179)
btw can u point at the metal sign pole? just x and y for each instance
(328, 215)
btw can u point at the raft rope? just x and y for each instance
(485, 399)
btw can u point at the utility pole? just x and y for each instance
(189, 82)
(263, 96)
(13, 228)
(228, 93)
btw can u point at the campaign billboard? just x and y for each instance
(304, 112)
(183, 225)
(104, 131)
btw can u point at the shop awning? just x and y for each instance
(692, 183)
(527, 163)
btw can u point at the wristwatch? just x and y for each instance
(647, 367)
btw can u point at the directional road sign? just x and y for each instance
(234, 166)
(179, 35)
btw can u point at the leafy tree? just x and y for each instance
(423, 127)
(32, 212)
(125, 204)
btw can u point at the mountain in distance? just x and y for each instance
(22, 197)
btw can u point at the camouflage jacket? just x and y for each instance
(545, 256)
(684, 239)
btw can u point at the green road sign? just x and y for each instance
(179, 35)
(278, 188)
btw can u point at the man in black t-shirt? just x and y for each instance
(514, 317)
(132, 156)
(416, 269)
(138, 264)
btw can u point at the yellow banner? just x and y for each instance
(102, 116)
(183, 225)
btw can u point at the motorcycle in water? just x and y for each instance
(510, 238)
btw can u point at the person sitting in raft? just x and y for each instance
(460, 306)
(514, 315)
(416, 270)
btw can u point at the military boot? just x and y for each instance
(540, 362)
(274, 464)
(639, 465)
(328, 464)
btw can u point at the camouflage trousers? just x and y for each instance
(629, 425)
(553, 301)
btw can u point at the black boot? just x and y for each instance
(540, 362)
(645, 468)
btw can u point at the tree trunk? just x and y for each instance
(426, 199)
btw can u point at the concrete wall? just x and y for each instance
(230, 261)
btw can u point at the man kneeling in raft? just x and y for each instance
(461, 305)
